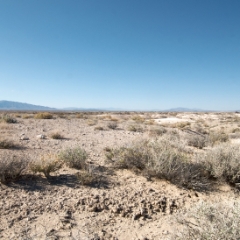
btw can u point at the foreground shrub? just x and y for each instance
(7, 144)
(44, 115)
(46, 164)
(162, 160)
(223, 163)
(74, 158)
(12, 167)
(8, 119)
(157, 131)
(210, 221)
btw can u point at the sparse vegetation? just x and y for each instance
(213, 221)
(44, 115)
(99, 128)
(222, 162)
(46, 164)
(8, 119)
(112, 125)
(135, 128)
(217, 137)
(7, 144)
(74, 157)
(12, 167)
(56, 135)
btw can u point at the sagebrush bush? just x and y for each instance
(7, 144)
(99, 128)
(217, 137)
(74, 157)
(223, 162)
(135, 128)
(112, 125)
(197, 141)
(218, 220)
(8, 119)
(162, 160)
(44, 115)
(56, 135)
(46, 164)
(157, 131)
(12, 167)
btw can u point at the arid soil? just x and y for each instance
(121, 204)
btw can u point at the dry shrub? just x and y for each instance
(27, 116)
(46, 164)
(7, 144)
(44, 115)
(74, 157)
(213, 221)
(197, 141)
(88, 176)
(56, 135)
(138, 119)
(161, 159)
(181, 125)
(157, 131)
(112, 125)
(92, 122)
(12, 167)
(8, 119)
(99, 128)
(222, 162)
(217, 137)
(135, 128)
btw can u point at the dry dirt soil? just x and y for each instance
(121, 204)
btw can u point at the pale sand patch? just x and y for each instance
(172, 120)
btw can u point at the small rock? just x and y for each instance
(41, 136)
(24, 138)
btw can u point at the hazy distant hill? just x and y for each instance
(9, 105)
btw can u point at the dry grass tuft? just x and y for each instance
(56, 135)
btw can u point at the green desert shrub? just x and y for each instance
(12, 167)
(43, 115)
(74, 157)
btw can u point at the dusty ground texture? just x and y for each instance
(120, 204)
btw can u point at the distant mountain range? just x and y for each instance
(18, 106)
(9, 105)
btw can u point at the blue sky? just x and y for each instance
(128, 54)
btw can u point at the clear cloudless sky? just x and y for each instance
(128, 54)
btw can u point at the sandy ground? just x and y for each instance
(122, 205)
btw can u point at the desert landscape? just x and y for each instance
(119, 175)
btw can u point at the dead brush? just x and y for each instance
(46, 164)
(12, 167)
(135, 128)
(217, 138)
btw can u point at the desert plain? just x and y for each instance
(142, 175)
